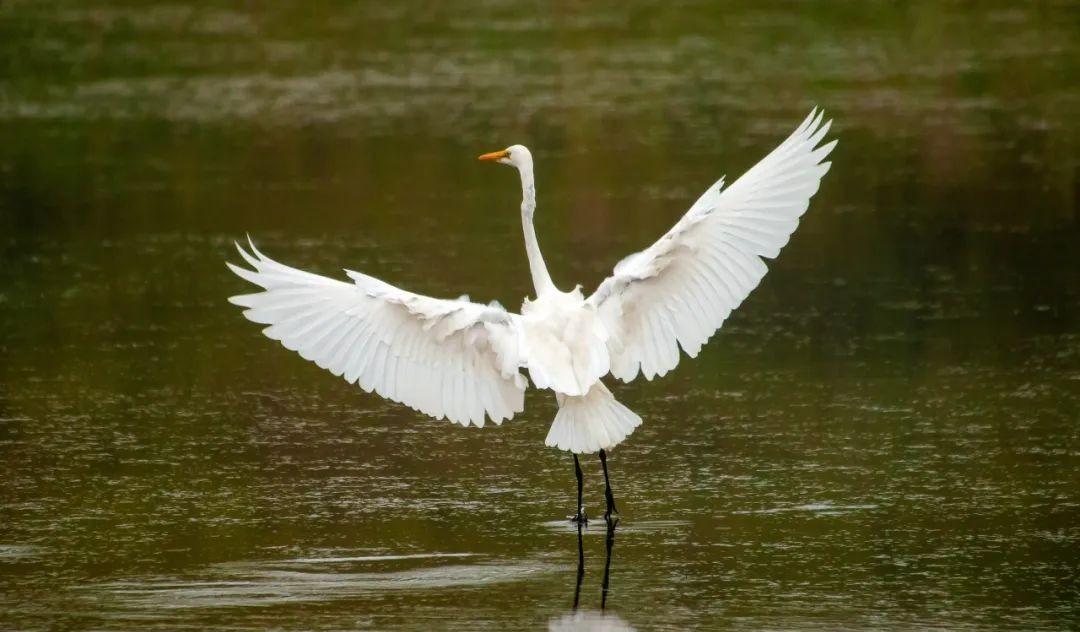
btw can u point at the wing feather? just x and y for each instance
(681, 289)
(445, 358)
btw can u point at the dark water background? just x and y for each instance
(885, 435)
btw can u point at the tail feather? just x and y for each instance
(591, 422)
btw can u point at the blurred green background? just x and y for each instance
(885, 435)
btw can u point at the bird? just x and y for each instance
(466, 362)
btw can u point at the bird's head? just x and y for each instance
(514, 155)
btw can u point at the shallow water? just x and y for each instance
(884, 436)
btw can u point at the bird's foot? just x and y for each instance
(612, 510)
(580, 517)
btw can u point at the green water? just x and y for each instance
(884, 436)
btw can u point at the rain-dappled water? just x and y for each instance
(885, 435)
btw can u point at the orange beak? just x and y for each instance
(495, 155)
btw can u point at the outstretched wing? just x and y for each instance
(444, 358)
(680, 290)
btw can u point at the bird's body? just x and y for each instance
(565, 342)
(463, 360)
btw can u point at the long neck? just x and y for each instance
(541, 278)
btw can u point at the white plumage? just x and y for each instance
(444, 358)
(462, 360)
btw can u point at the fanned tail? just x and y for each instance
(594, 421)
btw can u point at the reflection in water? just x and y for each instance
(609, 546)
(589, 620)
(580, 564)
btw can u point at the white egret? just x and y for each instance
(463, 361)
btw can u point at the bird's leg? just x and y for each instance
(608, 496)
(579, 517)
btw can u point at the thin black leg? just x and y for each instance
(580, 516)
(607, 561)
(608, 496)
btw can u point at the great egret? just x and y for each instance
(461, 360)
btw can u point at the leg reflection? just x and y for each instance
(580, 566)
(611, 524)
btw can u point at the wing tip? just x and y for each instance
(242, 300)
(237, 270)
(251, 276)
(252, 261)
